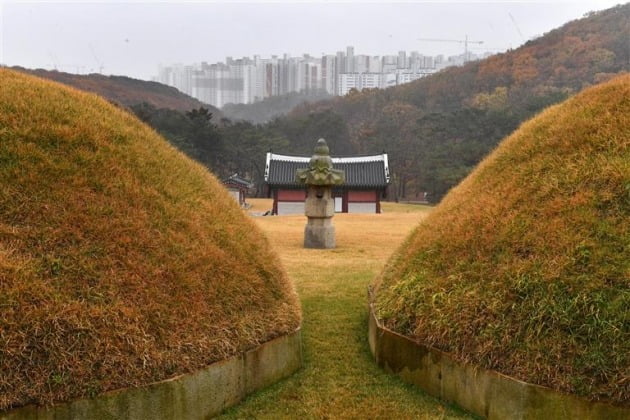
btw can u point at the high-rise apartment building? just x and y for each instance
(329, 74)
(360, 81)
(247, 80)
(349, 60)
(389, 63)
(361, 64)
(402, 60)
(375, 65)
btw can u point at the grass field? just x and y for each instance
(339, 378)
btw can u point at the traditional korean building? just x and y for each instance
(367, 178)
(238, 188)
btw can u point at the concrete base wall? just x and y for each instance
(199, 395)
(362, 208)
(286, 208)
(483, 392)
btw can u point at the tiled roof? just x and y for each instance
(361, 171)
(236, 179)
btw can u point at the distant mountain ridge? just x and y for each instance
(125, 91)
(271, 107)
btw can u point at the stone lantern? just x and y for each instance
(319, 207)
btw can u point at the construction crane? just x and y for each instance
(516, 26)
(464, 41)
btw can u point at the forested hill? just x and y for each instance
(272, 107)
(124, 90)
(438, 128)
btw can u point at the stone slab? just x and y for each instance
(319, 235)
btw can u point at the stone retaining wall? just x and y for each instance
(483, 392)
(198, 395)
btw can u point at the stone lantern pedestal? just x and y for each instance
(319, 207)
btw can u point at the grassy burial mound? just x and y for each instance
(524, 267)
(121, 261)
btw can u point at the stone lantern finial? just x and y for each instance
(319, 207)
(320, 169)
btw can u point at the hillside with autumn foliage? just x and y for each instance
(125, 91)
(438, 128)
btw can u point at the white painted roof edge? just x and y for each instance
(267, 166)
(301, 159)
(374, 158)
(386, 164)
(285, 158)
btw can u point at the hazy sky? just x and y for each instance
(133, 37)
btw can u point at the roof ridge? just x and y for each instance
(357, 158)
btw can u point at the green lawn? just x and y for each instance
(339, 378)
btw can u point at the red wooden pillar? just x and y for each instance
(275, 201)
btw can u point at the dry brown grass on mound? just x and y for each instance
(524, 267)
(121, 261)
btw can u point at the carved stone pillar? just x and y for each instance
(319, 207)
